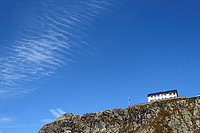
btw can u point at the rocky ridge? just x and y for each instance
(172, 115)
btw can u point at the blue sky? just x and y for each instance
(86, 56)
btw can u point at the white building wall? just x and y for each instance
(161, 96)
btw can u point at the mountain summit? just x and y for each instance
(171, 115)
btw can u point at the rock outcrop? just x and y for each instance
(172, 115)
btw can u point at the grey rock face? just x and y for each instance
(173, 115)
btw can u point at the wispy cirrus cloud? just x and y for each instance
(56, 113)
(47, 120)
(47, 43)
(5, 119)
(8, 122)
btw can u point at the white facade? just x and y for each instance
(162, 95)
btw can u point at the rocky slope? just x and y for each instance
(173, 115)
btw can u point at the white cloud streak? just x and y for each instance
(47, 43)
(4, 119)
(60, 111)
(47, 120)
(57, 113)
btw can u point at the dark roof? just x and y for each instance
(164, 92)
